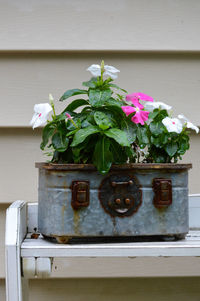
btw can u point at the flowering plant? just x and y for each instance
(111, 127)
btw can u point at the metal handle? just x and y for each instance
(163, 192)
(114, 184)
(80, 194)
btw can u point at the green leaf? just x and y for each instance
(155, 141)
(142, 135)
(47, 132)
(171, 149)
(160, 116)
(72, 92)
(92, 83)
(102, 120)
(130, 129)
(59, 142)
(71, 133)
(118, 135)
(159, 141)
(70, 126)
(102, 157)
(131, 154)
(98, 97)
(164, 138)
(75, 104)
(183, 144)
(117, 87)
(153, 114)
(85, 123)
(113, 102)
(158, 155)
(60, 117)
(82, 134)
(156, 128)
(118, 152)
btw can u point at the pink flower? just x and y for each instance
(140, 116)
(135, 97)
(142, 96)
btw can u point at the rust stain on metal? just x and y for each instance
(163, 192)
(63, 216)
(76, 222)
(62, 239)
(35, 235)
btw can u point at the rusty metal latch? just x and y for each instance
(163, 192)
(80, 194)
(120, 195)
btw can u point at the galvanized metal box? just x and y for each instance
(131, 200)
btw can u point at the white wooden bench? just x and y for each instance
(27, 258)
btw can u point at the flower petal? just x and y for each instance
(39, 121)
(190, 125)
(172, 125)
(112, 75)
(143, 96)
(181, 116)
(128, 110)
(150, 106)
(95, 70)
(134, 100)
(140, 117)
(111, 71)
(41, 113)
(33, 120)
(42, 108)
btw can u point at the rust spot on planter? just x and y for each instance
(76, 222)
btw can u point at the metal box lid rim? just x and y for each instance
(129, 166)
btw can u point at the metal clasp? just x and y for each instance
(80, 194)
(163, 192)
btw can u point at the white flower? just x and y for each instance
(108, 70)
(41, 113)
(150, 106)
(95, 70)
(111, 71)
(172, 125)
(189, 124)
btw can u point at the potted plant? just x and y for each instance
(114, 169)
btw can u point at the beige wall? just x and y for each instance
(100, 25)
(28, 77)
(46, 46)
(145, 289)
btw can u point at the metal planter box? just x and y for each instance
(131, 200)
